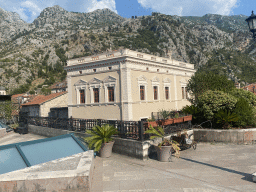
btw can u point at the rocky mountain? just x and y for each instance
(10, 24)
(34, 54)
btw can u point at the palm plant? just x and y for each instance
(158, 132)
(100, 134)
(165, 114)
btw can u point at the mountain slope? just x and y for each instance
(39, 50)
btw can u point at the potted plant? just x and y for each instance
(151, 122)
(177, 118)
(101, 140)
(188, 118)
(165, 121)
(165, 148)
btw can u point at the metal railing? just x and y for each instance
(126, 129)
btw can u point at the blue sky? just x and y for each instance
(30, 9)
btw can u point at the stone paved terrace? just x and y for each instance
(12, 137)
(209, 168)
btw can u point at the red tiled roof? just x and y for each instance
(17, 95)
(39, 99)
(251, 88)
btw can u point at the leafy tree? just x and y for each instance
(203, 81)
(247, 95)
(212, 101)
(245, 112)
(45, 91)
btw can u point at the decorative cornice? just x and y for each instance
(124, 60)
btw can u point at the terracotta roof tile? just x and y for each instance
(39, 99)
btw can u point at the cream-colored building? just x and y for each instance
(125, 85)
(2, 91)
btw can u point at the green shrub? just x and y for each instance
(247, 95)
(225, 118)
(212, 101)
(196, 112)
(245, 112)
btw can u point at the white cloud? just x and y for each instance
(110, 4)
(190, 7)
(30, 9)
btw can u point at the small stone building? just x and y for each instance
(59, 87)
(40, 106)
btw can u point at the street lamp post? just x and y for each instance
(252, 24)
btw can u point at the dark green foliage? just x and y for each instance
(49, 81)
(63, 42)
(60, 52)
(22, 89)
(146, 38)
(203, 81)
(92, 37)
(245, 113)
(226, 118)
(45, 91)
(225, 62)
(196, 112)
(100, 135)
(38, 52)
(32, 92)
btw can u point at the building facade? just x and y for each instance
(125, 85)
(40, 106)
(2, 91)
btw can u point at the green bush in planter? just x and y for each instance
(100, 134)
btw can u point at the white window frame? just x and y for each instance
(95, 83)
(167, 83)
(155, 82)
(183, 84)
(142, 81)
(109, 82)
(80, 85)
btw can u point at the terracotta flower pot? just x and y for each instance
(168, 122)
(106, 149)
(152, 123)
(164, 153)
(188, 118)
(178, 120)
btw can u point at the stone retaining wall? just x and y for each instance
(236, 136)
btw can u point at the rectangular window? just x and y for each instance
(111, 94)
(142, 92)
(183, 92)
(166, 93)
(186, 92)
(96, 95)
(155, 92)
(82, 96)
